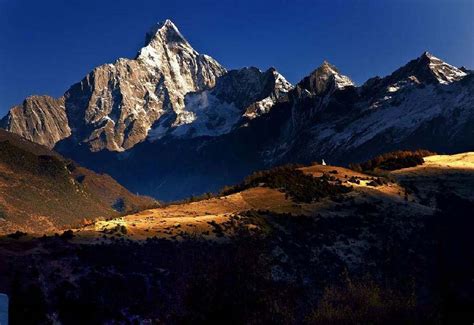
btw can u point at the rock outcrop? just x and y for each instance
(41, 119)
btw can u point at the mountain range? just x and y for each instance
(172, 122)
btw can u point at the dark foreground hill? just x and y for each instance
(312, 245)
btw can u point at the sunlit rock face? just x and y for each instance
(168, 89)
(115, 105)
(41, 119)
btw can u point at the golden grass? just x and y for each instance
(193, 218)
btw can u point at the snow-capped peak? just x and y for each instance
(326, 66)
(164, 41)
(165, 31)
(168, 52)
(443, 72)
(324, 78)
(132, 96)
(426, 69)
(281, 84)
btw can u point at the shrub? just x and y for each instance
(218, 230)
(393, 161)
(362, 302)
(17, 234)
(295, 183)
(67, 235)
(191, 199)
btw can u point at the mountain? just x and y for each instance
(40, 191)
(168, 89)
(115, 105)
(425, 104)
(172, 122)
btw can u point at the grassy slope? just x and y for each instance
(439, 174)
(413, 194)
(201, 217)
(42, 192)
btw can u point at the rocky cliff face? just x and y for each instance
(115, 106)
(314, 92)
(41, 119)
(238, 96)
(324, 80)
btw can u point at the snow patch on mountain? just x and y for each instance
(237, 96)
(211, 116)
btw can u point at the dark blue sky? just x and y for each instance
(47, 45)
